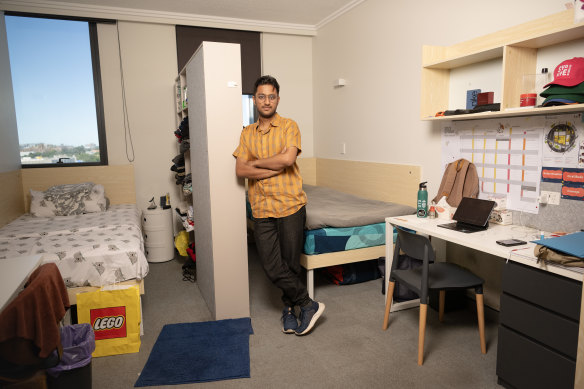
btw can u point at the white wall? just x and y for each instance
(150, 67)
(377, 48)
(9, 149)
(289, 59)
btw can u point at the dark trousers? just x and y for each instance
(279, 242)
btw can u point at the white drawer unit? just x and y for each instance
(158, 236)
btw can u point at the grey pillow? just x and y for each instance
(69, 199)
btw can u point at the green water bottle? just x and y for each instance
(423, 200)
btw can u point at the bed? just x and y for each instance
(388, 183)
(90, 249)
(342, 228)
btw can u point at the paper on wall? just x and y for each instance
(507, 156)
(561, 140)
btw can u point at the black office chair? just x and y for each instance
(441, 276)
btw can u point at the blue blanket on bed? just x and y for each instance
(329, 239)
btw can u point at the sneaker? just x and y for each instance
(289, 322)
(309, 314)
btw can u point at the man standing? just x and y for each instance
(266, 156)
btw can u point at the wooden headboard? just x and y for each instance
(118, 180)
(11, 205)
(378, 181)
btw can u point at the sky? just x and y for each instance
(52, 77)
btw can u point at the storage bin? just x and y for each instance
(159, 252)
(158, 234)
(74, 369)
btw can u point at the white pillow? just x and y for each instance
(96, 201)
(70, 199)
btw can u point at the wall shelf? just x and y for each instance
(513, 112)
(516, 47)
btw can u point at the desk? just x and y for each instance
(14, 272)
(485, 241)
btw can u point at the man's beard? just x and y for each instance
(268, 115)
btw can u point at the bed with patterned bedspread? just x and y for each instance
(90, 249)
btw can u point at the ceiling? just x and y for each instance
(301, 12)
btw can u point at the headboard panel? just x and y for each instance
(11, 205)
(307, 168)
(118, 180)
(378, 181)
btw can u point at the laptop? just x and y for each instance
(472, 215)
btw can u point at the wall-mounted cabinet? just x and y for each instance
(516, 49)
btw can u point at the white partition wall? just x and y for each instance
(214, 111)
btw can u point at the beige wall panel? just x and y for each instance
(307, 168)
(118, 180)
(378, 181)
(341, 257)
(11, 202)
(434, 91)
(517, 61)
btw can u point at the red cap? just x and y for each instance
(569, 73)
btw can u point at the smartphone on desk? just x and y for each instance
(511, 242)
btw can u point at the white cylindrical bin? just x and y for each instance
(158, 236)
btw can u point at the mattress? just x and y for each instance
(331, 208)
(338, 221)
(93, 249)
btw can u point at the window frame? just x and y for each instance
(97, 87)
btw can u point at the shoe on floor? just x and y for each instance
(308, 317)
(289, 322)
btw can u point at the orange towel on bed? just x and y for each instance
(34, 315)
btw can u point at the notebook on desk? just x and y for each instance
(472, 215)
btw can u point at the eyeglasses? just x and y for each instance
(263, 97)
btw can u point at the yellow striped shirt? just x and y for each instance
(281, 195)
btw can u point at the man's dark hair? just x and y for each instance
(267, 80)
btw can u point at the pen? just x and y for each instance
(403, 220)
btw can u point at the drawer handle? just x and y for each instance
(144, 219)
(145, 236)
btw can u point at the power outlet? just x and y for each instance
(552, 198)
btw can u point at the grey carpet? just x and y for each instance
(347, 348)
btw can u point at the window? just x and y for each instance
(57, 91)
(248, 110)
